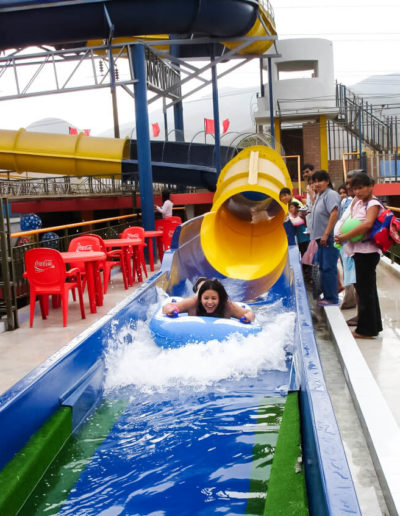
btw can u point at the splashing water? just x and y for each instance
(133, 358)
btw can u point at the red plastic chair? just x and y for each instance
(175, 219)
(137, 232)
(168, 228)
(113, 260)
(46, 273)
(85, 243)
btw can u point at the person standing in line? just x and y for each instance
(366, 208)
(306, 172)
(166, 208)
(349, 270)
(323, 217)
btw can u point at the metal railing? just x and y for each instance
(66, 186)
(382, 167)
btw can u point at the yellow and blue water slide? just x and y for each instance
(190, 430)
(124, 427)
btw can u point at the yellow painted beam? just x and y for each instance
(323, 132)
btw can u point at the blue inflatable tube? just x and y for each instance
(173, 332)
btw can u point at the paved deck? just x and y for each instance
(25, 348)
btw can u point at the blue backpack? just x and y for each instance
(386, 230)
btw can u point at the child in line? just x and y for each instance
(299, 226)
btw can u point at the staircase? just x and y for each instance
(357, 116)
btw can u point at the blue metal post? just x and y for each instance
(178, 107)
(271, 103)
(216, 114)
(143, 138)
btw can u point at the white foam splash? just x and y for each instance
(134, 359)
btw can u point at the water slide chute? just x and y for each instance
(242, 238)
(76, 155)
(24, 23)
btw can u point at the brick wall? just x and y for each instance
(336, 172)
(311, 145)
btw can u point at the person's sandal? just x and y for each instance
(353, 321)
(359, 336)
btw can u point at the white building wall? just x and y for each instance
(296, 93)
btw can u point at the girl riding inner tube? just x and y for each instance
(207, 316)
(173, 332)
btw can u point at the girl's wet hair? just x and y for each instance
(199, 280)
(213, 284)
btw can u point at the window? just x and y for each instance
(297, 70)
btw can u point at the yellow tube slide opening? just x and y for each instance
(243, 236)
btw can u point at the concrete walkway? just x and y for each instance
(25, 348)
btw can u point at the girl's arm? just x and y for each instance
(181, 306)
(363, 228)
(234, 310)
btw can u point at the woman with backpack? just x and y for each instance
(365, 208)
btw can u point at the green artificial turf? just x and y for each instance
(286, 494)
(19, 477)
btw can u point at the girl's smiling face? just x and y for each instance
(210, 301)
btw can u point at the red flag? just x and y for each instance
(225, 125)
(73, 130)
(156, 129)
(209, 126)
(86, 132)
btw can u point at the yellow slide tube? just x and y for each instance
(75, 155)
(243, 236)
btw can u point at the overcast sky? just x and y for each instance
(366, 41)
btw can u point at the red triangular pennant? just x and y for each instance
(225, 125)
(156, 129)
(209, 126)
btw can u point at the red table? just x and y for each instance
(90, 259)
(150, 235)
(124, 244)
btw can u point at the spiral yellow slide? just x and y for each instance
(246, 219)
(242, 238)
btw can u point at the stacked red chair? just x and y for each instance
(137, 232)
(47, 275)
(85, 243)
(168, 226)
(113, 260)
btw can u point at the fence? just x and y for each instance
(382, 167)
(67, 186)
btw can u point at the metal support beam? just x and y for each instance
(216, 113)
(271, 103)
(143, 139)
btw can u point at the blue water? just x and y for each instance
(195, 434)
(184, 453)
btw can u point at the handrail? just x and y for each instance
(77, 224)
(67, 226)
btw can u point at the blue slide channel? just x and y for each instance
(189, 432)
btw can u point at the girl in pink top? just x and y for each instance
(366, 208)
